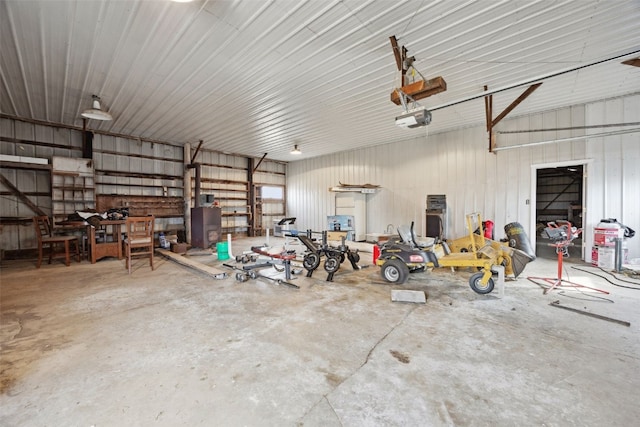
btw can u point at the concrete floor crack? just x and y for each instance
(382, 339)
(325, 396)
(332, 409)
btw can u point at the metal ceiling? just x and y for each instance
(254, 77)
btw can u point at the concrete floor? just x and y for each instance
(89, 345)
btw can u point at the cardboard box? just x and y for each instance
(338, 235)
(179, 248)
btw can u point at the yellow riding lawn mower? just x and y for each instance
(407, 254)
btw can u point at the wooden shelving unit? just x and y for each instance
(72, 187)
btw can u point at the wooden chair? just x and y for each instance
(139, 238)
(46, 238)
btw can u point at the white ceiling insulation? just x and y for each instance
(254, 77)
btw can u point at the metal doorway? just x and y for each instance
(558, 193)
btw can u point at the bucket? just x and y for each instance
(223, 250)
(606, 231)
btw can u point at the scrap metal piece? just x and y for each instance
(586, 313)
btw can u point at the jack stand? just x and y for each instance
(558, 281)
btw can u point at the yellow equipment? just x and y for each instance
(479, 254)
(399, 257)
(512, 259)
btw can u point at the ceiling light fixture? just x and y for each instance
(296, 150)
(95, 112)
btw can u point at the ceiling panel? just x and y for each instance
(251, 77)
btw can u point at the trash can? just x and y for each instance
(223, 250)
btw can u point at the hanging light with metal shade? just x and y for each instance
(296, 150)
(95, 112)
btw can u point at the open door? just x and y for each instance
(560, 191)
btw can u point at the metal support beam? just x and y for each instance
(186, 191)
(195, 153)
(488, 105)
(20, 195)
(530, 81)
(258, 165)
(253, 218)
(515, 103)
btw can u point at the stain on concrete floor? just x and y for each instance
(91, 345)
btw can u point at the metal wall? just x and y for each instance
(123, 166)
(19, 138)
(499, 185)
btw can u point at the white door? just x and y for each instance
(355, 204)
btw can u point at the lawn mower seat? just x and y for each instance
(409, 237)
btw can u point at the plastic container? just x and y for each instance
(223, 250)
(164, 244)
(488, 229)
(376, 253)
(604, 256)
(606, 231)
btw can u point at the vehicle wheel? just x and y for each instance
(478, 287)
(341, 258)
(241, 277)
(238, 258)
(253, 274)
(395, 271)
(332, 264)
(311, 261)
(356, 257)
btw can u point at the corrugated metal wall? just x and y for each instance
(125, 166)
(613, 184)
(498, 185)
(19, 138)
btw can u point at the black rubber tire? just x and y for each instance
(238, 258)
(253, 274)
(395, 271)
(241, 277)
(474, 282)
(341, 258)
(332, 264)
(311, 261)
(356, 257)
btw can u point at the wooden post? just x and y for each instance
(186, 190)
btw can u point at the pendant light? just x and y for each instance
(95, 112)
(296, 151)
